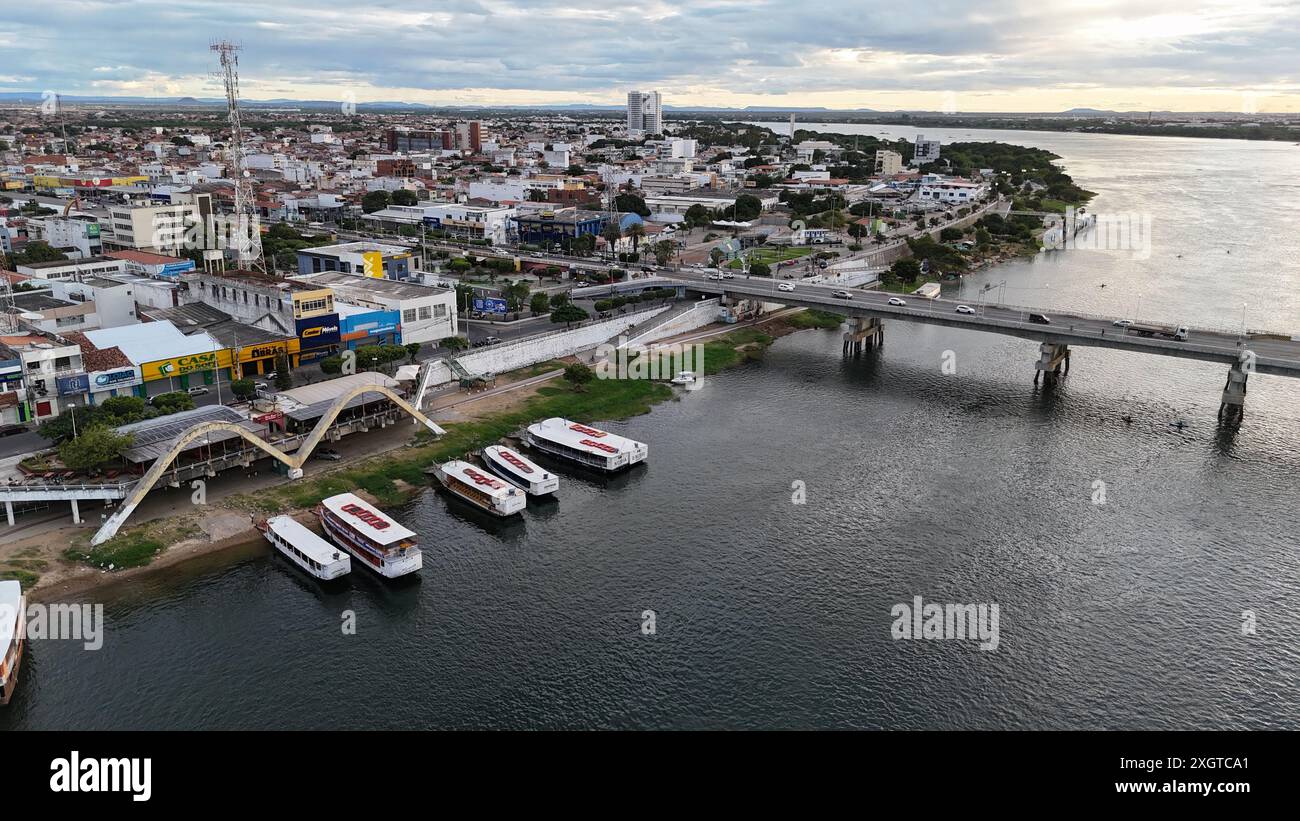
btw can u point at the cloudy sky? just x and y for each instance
(943, 55)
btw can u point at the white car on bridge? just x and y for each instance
(893, 300)
(785, 286)
(965, 309)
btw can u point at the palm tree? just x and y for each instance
(636, 231)
(612, 234)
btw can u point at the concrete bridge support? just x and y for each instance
(1232, 408)
(864, 331)
(1052, 358)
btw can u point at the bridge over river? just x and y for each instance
(1244, 353)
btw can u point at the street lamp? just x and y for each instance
(1243, 321)
(72, 409)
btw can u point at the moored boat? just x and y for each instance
(481, 489)
(585, 445)
(519, 471)
(305, 549)
(13, 611)
(371, 536)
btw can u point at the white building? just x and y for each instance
(77, 236)
(927, 151)
(428, 312)
(645, 112)
(160, 228)
(950, 191)
(888, 163)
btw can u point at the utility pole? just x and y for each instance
(249, 244)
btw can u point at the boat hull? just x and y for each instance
(388, 569)
(333, 571)
(11, 683)
(450, 487)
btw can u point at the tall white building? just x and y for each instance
(645, 112)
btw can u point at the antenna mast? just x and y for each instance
(249, 236)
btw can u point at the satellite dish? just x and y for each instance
(31, 317)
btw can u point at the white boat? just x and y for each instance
(519, 471)
(684, 378)
(375, 539)
(305, 549)
(481, 489)
(13, 614)
(585, 445)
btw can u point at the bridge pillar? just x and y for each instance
(1232, 407)
(864, 331)
(76, 513)
(9, 512)
(1052, 357)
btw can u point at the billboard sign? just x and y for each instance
(181, 365)
(119, 378)
(490, 305)
(73, 385)
(318, 331)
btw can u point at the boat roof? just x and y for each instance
(583, 437)
(479, 478)
(516, 463)
(380, 529)
(311, 545)
(11, 605)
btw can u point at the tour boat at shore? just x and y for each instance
(376, 540)
(520, 472)
(585, 445)
(305, 549)
(481, 489)
(13, 613)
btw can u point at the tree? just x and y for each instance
(950, 234)
(760, 269)
(637, 232)
(562, 298)
(124, 409)
(612, 234)
(374, 201)
(454, 343)
(37, 251)
(663, 250)
(243, 389)
(516, 293)
(578, 375)
(697, 216)
(716, 256)
(540, 303)
(403, 196)
(631, 203)
(283, 376)
(331, 365)
(173, 402)
(412, 351)
(568, 313)
(747, 208)
(906, 269)
(93, 447)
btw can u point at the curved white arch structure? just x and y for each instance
(293, 461)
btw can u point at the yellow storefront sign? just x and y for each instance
(181, 365)
(373, 264)
(268, 350)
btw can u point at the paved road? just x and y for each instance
(1280, 356)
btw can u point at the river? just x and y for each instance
(965, 487)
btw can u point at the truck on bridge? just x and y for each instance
(1164, 331)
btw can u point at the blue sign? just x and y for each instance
(175, 269)
(71, 385)
(319, 331)
(107, 379)
(490, 305)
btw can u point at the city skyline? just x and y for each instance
(1205, 55)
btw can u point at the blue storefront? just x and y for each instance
(367, 327)
(318, 337)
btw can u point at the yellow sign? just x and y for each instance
(180, 365)
(268, 349)
(373, 264)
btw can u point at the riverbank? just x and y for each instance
(63, 565)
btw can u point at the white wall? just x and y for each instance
(705, 312)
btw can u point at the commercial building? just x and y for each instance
(256, 351)
(77, 236)
(73, 269)
(153, 265)
(367, 258)
(363, 325)
(428, 313)
(167, 359)
(158, 228)
(950, 191)
(411, 141)
(490, 223)
(44, 360)
(558, 227)
(281, 306)
(644, 112)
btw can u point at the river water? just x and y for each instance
(965, 487)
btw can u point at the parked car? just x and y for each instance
(491, 340)
(893, 300)
(728, 275)
(841, 294)
(785, 286)
(10, 430)
(965, 309)
(197, 390)
(1039, 319)
(328, 454)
